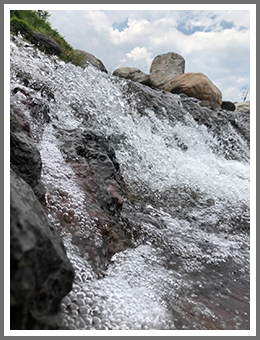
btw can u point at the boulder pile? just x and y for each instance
(167, 72)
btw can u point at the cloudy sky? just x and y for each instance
(214, 42)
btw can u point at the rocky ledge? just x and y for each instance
(41, 274)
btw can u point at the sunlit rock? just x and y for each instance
(196, 85)
(165, 67)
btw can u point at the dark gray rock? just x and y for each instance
(47, 44)
(40, 274)
(19, 122)
(133, 74)
(226, 105)
(230, 128)
(26, 161)
(93, 150)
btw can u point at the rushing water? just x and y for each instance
(186, 207)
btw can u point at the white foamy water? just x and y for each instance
(158, 284)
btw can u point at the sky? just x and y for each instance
(213, 42)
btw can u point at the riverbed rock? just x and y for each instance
(40, 274)
(88, 58)
(96, 168)
(132, 73)
(196, 85)
(45, 43)
(25, 160)
(165, 67)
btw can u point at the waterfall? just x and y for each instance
(163, 242)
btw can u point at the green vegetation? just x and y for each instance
(26, 22)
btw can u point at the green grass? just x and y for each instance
(26, 22)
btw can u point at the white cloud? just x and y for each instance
(216, 43)
(139, 53)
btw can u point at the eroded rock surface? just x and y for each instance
(41, 274)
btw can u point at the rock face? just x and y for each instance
(165, 67)
(94, 163)
(88, 58)
(132, 73)
(26, 161)
(41, 274)
(196, 85)
(46, 43)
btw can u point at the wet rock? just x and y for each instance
(132, 73)
(225, 126)
(165, 67)
(47, 44)
(195, 85)
(26, 162)
(41, 274)
(88, 58)
(98, 157)
(93, 160)
(19, 122)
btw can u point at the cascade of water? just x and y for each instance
(189, 267)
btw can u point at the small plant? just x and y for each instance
(77, 58)
(26, 22)
(20, 26)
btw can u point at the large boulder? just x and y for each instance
(165, 67)
(40, 272)
(196, 85)
(132, 73)
(88, 58)
(47, 44)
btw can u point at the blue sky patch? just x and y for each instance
(121, 26)
(189, 31)
(226, 24)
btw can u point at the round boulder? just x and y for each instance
(165, 67)
(196, 85)
(132, 73)
(88, 58)
(227, 105)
